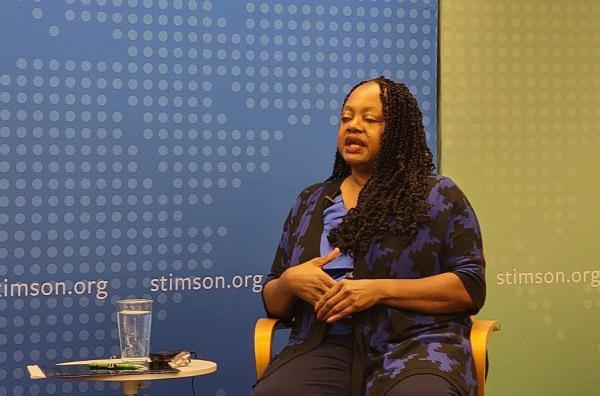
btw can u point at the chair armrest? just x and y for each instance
(480, 331)
(479, 338)
(263, 343)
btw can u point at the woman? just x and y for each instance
(380, 266)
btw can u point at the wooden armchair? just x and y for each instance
(264, 331)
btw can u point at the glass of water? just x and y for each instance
(134, 318)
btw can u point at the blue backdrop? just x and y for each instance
(152, 148)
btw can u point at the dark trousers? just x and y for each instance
(326, 371)
(423, 385)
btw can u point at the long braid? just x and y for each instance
(394, 198)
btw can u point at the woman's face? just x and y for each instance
(361, 128)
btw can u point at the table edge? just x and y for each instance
(184, 372)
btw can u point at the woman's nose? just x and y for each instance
(355, 124)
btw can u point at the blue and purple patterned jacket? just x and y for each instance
(391, 343)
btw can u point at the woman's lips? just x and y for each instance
(354, 148)
(353, 145)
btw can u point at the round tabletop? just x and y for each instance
(195, 368)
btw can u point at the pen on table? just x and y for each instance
(116, 366)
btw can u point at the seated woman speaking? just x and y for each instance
(380, 266)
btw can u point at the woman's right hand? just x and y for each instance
(308, 281)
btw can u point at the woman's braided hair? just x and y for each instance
(394, 198)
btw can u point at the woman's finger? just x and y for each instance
(327, 296)
(337, 312)
(330, 306)
(321, 261)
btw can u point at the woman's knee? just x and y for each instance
(269, 388)
(423, 385)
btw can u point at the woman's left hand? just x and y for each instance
(345, 298)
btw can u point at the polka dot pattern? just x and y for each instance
(125, 148)
(333, 45)
(519, 132)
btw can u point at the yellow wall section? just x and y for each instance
(520, 133)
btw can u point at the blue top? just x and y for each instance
(343, 264)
